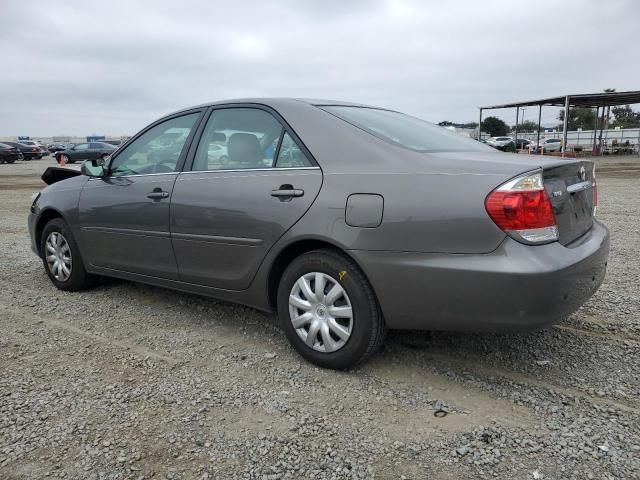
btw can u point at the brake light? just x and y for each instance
(522, 209)
(35, 150)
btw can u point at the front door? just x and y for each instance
(249, 183)
(124, 217)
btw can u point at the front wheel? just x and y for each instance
(328, 310)
(61, 257)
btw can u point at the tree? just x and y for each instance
(494, 127)
(579, 117)
(624, 117)
(447, 123)
(526, 126)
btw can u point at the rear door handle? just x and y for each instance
(157, 195)
(287, 191)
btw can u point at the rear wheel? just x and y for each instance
(61, 257)
(11, 161)
(328, 310)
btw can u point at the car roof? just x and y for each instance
(276, 102)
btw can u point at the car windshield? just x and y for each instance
(404, 130)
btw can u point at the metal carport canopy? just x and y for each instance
(587, 100)
(580, 100)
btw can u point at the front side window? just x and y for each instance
(81, 146)
(405, 131)
(157, 150)
(238, 139)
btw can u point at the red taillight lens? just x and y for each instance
(35, 150)
(522, 208)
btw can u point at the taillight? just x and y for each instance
(35, 150)
(522, 209)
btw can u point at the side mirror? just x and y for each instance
(92, 169)
(99, 162)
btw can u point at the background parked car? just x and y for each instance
(56, 147)
(85, 151)
(9, 153)
(34, 143)
(505, 144)
(550, 145)
(523, 143)
(29, 152)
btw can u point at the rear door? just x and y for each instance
(229, 210)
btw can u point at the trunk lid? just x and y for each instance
(570, 187)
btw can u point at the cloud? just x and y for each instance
(112, 67)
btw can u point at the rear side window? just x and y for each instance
(405, 131)
(238, 139)
(290, 155)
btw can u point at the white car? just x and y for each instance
(217, 154)
(501, 143)
(550, 145)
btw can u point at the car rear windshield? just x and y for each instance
(404, 130)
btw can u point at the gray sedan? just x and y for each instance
(344, 219)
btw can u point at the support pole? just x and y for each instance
(480, 126)
(516, 129)
(595, 130)
(601, 128)
(566, 123)
(539, 122)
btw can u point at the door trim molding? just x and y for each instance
(190, 237)
(127, 231)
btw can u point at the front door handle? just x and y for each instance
(287, 192)
(157, 194)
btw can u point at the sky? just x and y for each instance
(79, 67)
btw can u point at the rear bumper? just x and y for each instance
(516, 287)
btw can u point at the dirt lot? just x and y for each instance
(131, 381)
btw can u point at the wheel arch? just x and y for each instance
(45, 217)
(294, 250)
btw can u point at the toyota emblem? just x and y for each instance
(583, 174)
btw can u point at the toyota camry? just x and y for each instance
(347, 220)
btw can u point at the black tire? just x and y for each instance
(11, 161)
(79, 278)
(369, 329)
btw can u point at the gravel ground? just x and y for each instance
(131, 381)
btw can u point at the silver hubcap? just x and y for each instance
(58, 256)
(320, 311)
